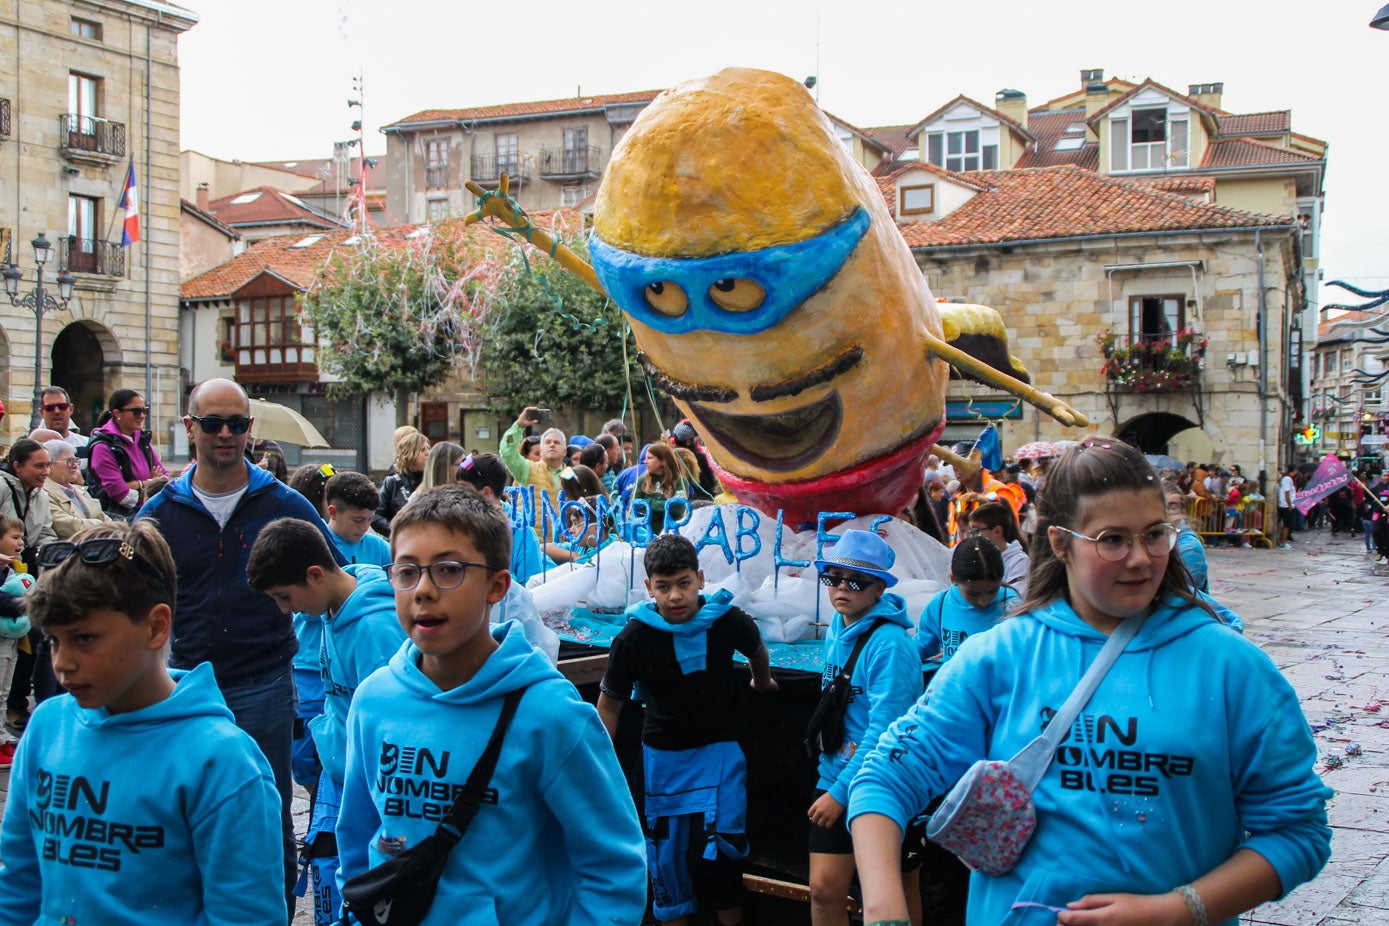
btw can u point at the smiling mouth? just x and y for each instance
(779, 442)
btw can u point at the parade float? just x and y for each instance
(773, 299)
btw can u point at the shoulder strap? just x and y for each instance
(848, 671)
(118, 452)
(1032, 760)
(465, 808)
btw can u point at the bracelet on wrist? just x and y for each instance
(1195, 906)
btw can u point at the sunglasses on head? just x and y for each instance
(854, 585)
(213, 424)
(57, 406)
(99, 551)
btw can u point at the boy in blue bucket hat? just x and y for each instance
(886, 681)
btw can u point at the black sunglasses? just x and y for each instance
(213, 424)
(139, 411)
(854, 585)
(57, 406)
(99, 551)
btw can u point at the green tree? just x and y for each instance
(397, 315)
(548, 338)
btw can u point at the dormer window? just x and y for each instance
(960, 151)
(1148, 139)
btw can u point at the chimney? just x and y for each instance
(1013, 104)
(202, 196)
(1096, 98)
(1091, 76)
(1206, 94)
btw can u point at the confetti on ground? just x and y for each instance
(1353, 749)
(1332, 761)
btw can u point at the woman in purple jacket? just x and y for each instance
(124, 464)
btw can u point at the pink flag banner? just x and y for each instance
(1331, 475)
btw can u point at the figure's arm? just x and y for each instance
(510, 447)
(609, 711)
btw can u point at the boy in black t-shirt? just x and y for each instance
(678, 650)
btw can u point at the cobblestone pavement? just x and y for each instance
(1320, 610)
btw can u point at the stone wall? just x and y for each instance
(1056, 297)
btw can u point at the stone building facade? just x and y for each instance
(92, 86)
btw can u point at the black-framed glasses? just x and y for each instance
(139, 411)
(213, 424)
(57, 406)
(1116, 545)
(99, 551)
(854, 585)
(445, 574)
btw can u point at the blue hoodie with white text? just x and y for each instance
(1192, 747)
(164, 815)
(557, 840)
(886, 681)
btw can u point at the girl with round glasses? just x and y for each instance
(1184, 793)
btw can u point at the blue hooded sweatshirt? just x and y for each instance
(371, 550)
(218, 618)
(886, 680)
(359, 639)
(559, 842)
(165, 815)
(1192, 747)
(948, 619)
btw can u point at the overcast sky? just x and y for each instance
(269, 79)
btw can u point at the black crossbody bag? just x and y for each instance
(400, 891)
(825, 731)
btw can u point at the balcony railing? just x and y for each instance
(91, 255)
(488, 168)
(436, 176)
(569, 163)
(4, 118)
(91, 138)
(1153, 364)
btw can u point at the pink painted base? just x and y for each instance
(884, 485)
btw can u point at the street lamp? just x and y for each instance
(38, 302)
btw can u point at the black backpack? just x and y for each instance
(95, 489)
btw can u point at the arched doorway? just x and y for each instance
(78, 366)
(1151, 432)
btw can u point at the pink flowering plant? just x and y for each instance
(1153, 366)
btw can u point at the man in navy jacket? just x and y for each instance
(211, 515)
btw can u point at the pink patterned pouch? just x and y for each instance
(987, 818)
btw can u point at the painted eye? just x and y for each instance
(667, 298)
(735, 295)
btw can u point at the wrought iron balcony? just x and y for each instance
(87, 138)
(4, 118)
(1153, 364)
(91, 255)
(578, 163)
(488, 168)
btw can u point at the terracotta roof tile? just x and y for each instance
(974, 180)
(1069, 202)
(1184, 185)
(300, 266)
(1049, 128)
(1348, 323)
(192, 209)
(893, 136)
(267, 206)
(520, 110)
(1013, 123)
(1250, 152)
(1269, 123)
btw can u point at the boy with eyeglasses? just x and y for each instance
(136, 799)
(676, 654)
(354, 608)
(886, 681)
(556, 838)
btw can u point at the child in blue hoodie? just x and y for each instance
(677, 650)
(975, 601)
(557, 838)
(354, 607)
(137, 800)
(1184, 793)
(12, 628)
(886, 680)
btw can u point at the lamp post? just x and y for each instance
(38, 302)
